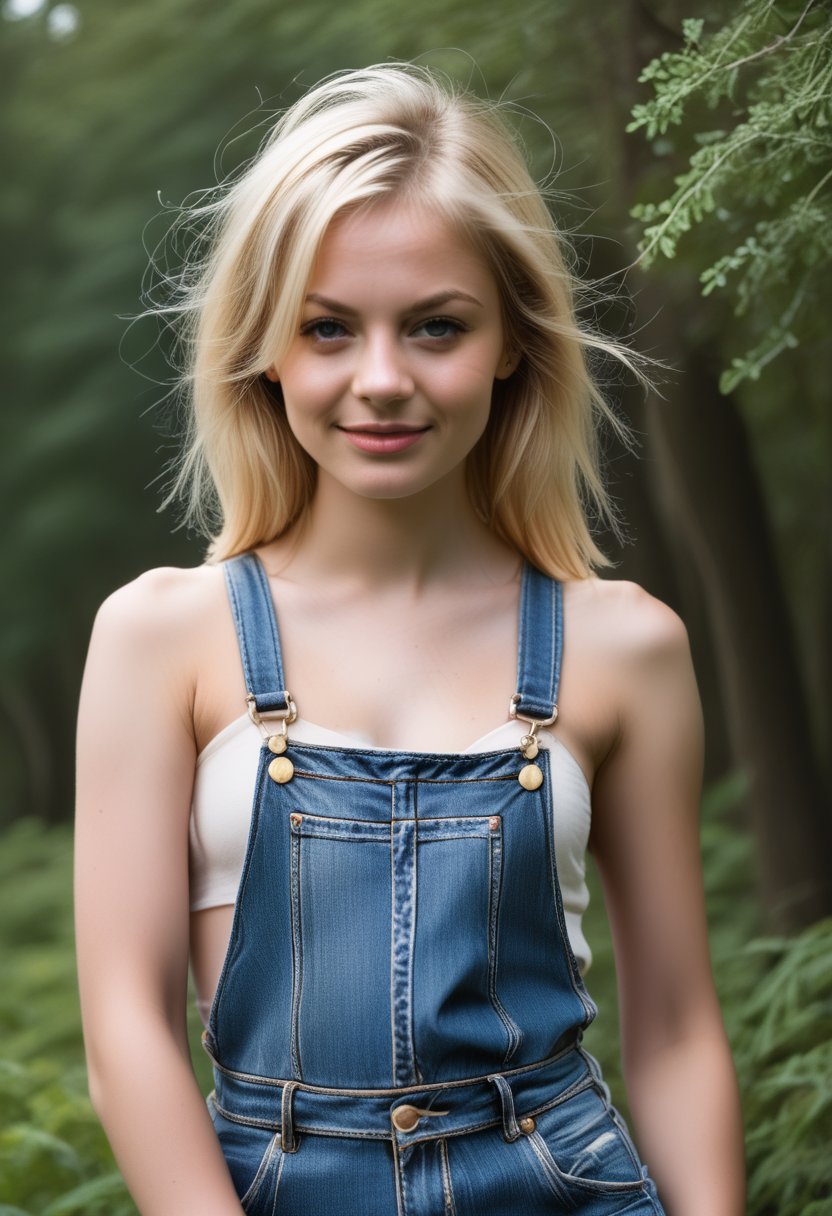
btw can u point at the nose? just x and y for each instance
(381, 373)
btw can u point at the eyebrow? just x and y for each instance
(442, 297)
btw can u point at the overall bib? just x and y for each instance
(397, 1026)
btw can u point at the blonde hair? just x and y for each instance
(359, 137)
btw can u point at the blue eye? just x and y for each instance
(440, 327)
(325, 329)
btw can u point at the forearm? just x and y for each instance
(156, 1120)
(686, 1112)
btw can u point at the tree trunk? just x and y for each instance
(711, 495)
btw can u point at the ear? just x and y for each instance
(508, 364)
(271, 374)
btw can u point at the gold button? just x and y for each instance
(277, 744)
(281, 770)
(530, 777)
(527, 1125)
(494, 822)
(296, 820)
(405, 1118)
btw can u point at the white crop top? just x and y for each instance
(224, 791)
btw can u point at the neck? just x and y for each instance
(407, 543)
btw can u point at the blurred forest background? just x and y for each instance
(694, 146)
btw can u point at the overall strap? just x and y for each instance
(540, 647)
(256, 625)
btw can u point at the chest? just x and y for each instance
(432, 674)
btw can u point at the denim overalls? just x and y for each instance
(397, 1027)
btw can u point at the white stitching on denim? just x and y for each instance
(271, 617)
(590, 1185)
(392, 942)
(551, 1174)
(450, 1207)
(398, 1091)
(578, 986)
(323, 1129)
(262, 1170)
(364, 780)
(234, 936)
(495, 853)
(297, 951)
(277, 1183)
(397, 1173)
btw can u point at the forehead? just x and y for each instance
(402, 244)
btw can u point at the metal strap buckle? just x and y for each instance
(535, 723)
(286, 716)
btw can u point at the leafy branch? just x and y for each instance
(761, 175)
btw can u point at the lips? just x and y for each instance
(382, 428)
(383, 438)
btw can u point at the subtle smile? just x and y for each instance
(383, 437)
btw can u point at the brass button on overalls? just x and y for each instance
(406, 1118)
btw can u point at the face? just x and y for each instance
(388, 383)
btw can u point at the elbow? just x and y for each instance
(96, 1091)
(99, 1081)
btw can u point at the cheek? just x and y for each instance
(307, 391)
(464, 385)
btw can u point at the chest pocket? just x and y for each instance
(394, 949)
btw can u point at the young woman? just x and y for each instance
(379, 877)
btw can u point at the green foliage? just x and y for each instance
(757, 183)
(782, 1031)
(776, 997)
(54, 1157)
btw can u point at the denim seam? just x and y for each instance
(589, 1007)
(402, 935)
(590, 1185)
(233, 947)
(550, 1171)
(495, 856)
(239, 626)
(262, 1170)
(271, 618)
(524, 615)
(398, 1091)
(277, 1182)
(299, 772)
(324, 827)
(468, 1129)
(399, 1180)
(297, 954)
(323, 1130)
(447, 1187)
(623, 1130)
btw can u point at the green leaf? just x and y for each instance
(105, 1196)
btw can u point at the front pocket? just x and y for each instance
(254, 1157)
(340, 923)
(582, 1150)
(394, 941)
(460, 886)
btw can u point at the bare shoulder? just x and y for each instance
(163, 603)
(644, 647)
(629, 626)
(153, 633)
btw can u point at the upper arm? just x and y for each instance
(645, 834)
(135, 767)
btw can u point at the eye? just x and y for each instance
(323, 329)
(439, 328)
